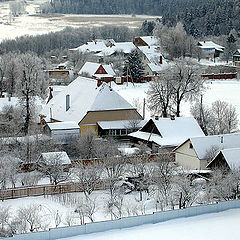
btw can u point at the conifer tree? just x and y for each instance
(133, 66)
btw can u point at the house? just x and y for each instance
(210, 49)
(117, 48)
(236, 58)
(152, 59)
(62, 131)
(119, 128)
(84, 102)
(167, 133)
(226, 159)
(94, 46)
(145, 41)
(63, 73)
(101, 72)
(50, 160)
(197, 152)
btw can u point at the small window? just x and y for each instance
(67, 102)
(190, 145)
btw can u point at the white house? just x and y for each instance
(152, 59)
(98, 71)
(197, 152)
(167, 132)
(85, 103)
(93, 47)
(117, 47)
(210, 49)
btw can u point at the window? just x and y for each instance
(190, 145)
(67, 102)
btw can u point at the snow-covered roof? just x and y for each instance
(125, 47)
(173, 132)
(203, 144)
(63, 125)
(51, 157)
(155, 68)
(150, 40)
(153, 55)
(232, 157)
(124, 124)
(91, 68)
(84, 96)
(94, 46)
(210, 45)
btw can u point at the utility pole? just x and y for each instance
(144, 105)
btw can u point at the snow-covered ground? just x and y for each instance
(32, 23)
(225, 90)
(217, 226)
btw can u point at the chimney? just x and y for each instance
(156, 117)
(172, 117)
(160, 60)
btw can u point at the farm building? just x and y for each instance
(62, 130)
(84, 102)
(227, 159)
(210, 49)
(167, 133)
(197, 152)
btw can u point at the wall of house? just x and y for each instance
(89, 122)
(187, 157)
(58, 74)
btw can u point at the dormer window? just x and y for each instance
(67, 102)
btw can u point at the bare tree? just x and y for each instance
(174, 40)
(220, 118)
(29, 218)
(160, 94)
(31, 83)
(186, 82)
(17, 8)
(5, 216)
(186, 193)
(181, 81)
(54, 169)
(88, 176)
(163, 177)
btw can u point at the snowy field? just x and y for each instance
(224, 90)
(32, 23)
(217, 226)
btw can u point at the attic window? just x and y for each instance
(190, 145)
(67, 102)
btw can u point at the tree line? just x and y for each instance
(200, 18)
(65, 39)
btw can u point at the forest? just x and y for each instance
(200, 17)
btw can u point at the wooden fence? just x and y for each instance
(41, 190)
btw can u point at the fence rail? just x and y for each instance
(42, 190)
(127, 222)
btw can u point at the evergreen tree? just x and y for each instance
(133, 66)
